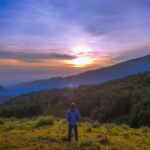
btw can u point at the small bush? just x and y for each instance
(85, 143)
(115, 148)
(13, 119)
(10, 127)
(80, 124)
(47, 138)
(126, 136)
(95, 147)
(88, 129)
(112, 125)
(1, 122)
(88, 145)
(99, 136)
(96, 124)
(87, 119)
(144, 129)
(109, 126)
(63, 121)
(104, 141)
(112, 133)
(125, 127)
(44, 122)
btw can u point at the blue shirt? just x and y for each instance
(73, 116)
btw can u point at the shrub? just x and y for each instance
(44, 122)
(144, 129)
(47, 138)
(112, 133)
(88, 129)
(96, 124)
(13, 119)
(88, 145)
(104, 141)
(1, 122)
(115, 148)
(126, 136)
(10, 126)
(87, 119)
(62, 121)
(125, 127)
(110, 125)
(99, 136)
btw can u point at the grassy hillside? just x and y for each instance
(125, 100)
(49, 134)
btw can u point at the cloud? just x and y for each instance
(131, 54)
(34, 57)
(71, 20)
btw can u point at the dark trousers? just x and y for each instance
(70, 127)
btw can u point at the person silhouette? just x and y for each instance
(73, 117)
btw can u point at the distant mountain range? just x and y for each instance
(2, 89)
(3, 94)
(97, 76)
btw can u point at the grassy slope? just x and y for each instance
(21, 134)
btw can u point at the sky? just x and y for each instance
(49, 38)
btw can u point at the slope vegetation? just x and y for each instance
(24, 134)
(126, 100)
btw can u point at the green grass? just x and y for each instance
(47, 133)
(44, 122)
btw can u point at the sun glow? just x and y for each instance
(81, 61)
(83, 56)
(81, 49)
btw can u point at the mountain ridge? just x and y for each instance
(2, 89)
(59, 77)
(123, 69)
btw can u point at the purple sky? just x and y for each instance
(47, 38)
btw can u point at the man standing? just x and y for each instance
(73, 116)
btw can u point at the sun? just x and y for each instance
(83, 58)
(81, 61)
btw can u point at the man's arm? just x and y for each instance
(67, 116)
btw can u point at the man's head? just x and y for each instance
(73, 106)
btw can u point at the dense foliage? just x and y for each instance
(124, 100)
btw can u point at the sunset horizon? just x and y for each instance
(74, 75)
(41, 39)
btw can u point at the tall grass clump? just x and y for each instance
(10, 126)
(126, 136)
(88, 130)
(96, 124)
(47, 121)
(125, 127)
(144, 129)
(1, 122)
(88, 145)
(104, 141)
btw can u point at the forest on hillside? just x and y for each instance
(125, 100)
